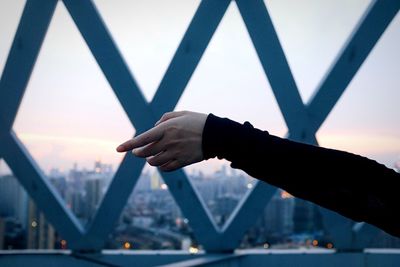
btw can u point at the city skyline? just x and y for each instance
(152, 220)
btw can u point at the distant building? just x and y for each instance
(224, 206)
(307, 218)
(13, 199)
(93, 188)
(75, 202)
(279, 214)
(2, 233)
(60, 184)
(76, 179)
(41, 234)
(14, 234)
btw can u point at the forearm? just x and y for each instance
(333, 179)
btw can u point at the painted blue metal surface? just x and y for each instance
(33, 180)
(309, 258)
(273, 60)
(25, 48)
(354, 52)
(303, 121)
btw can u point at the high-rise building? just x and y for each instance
(60, 184)
(13, 199)
(75, 201)
(93, 190)
(41, 234)
(76, 178)
(279, 214)
(2, 233)
(307, 218)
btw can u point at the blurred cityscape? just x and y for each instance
(152, 220)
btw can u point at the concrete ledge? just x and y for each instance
(255, 257)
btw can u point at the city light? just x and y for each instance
(127, 245)
(249, 186)
(285, 195)
(266, 245)
(63, 244)
(164, 186)
(193, 250)
(34, 224)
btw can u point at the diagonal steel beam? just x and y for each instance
(357, 48)
(109, 59)
(104, 50)
(272, 57)
(25, 48)
(246, 214)
(21, 59)
(366, 34)
(110, 207)
(39, 188)
(276, 68)
(273, 60)
(196, 39)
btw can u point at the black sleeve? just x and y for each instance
(354, 186)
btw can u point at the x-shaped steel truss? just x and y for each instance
(303, 120)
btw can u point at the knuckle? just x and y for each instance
(172, 128)
(151, 162)
(166, 115)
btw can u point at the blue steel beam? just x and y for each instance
(21, 59)
(358, 46)
(39, 188)
(28, 39)
(201, 29)
(112, 203)
(273, 60)
(109, 59)
(196, 39)
(363, 233)
(298, 119)
(271, 55)
(363, 39)
(246, 214)
(281, 258)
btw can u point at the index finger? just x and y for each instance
(150, 136)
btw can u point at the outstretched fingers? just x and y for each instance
(152, 135)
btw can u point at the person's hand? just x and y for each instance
(174, 142)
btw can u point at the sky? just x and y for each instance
(70, 114)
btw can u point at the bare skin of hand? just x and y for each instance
(174, 142)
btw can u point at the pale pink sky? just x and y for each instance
(70, 114)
